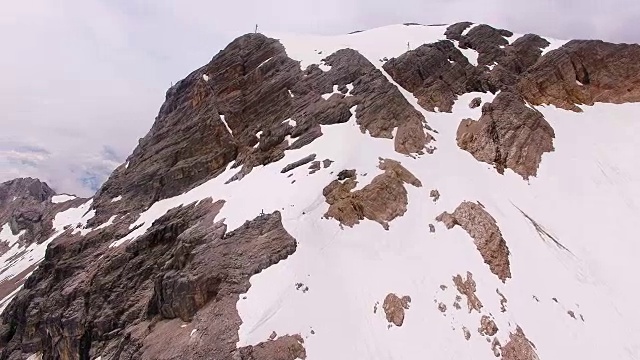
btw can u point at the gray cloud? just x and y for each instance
(82, 80)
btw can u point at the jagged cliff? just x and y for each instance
(293, 199)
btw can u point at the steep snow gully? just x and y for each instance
(570, 233)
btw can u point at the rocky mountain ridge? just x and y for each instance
(148, 268)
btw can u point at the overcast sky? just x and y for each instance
(82, 80)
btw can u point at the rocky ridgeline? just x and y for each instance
(26, 212)
(244, 109)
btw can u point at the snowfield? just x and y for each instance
(585, 196)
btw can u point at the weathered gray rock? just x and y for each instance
(484, 230)
(584, 72)
(509, 134)
(436, 74)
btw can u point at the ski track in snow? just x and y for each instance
(585, 195)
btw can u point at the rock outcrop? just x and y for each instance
(509, 134)
(25, 205)
(436, 74)
(394, 308)
(484, 230)
(234, 110)
(382, 200)
(584, 72)
(519, 347)
(468, 289)
(84, 301)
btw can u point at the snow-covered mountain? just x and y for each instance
(449, 192)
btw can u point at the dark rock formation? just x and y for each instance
(436, 74)
(26, 208)
(250, 84)
(468, 289)
(384, 199)
(519, 347)
(488, 41)
(394, 308)
(509, 134)
(85, 301)
(482, 227)
(305, 160)
(584, 72)
(475, 103)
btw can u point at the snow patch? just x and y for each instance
(57, 199)
(108, 223)
(264, 62)
(290, 122)
(466, 31)
(225, 124)
(469, 53)
(6, 235)
(19, 257)
(117, 198)
(205, 77)
(388, 41)
(336, 91)
(553, 45)
(36, 356)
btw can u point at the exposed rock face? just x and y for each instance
(503, 301)
(584, 72)
(519, 347)
(482, 227)
(384, 199)
(212, 117)
(284, 348)
(434, 194)
(487, 41)
(25, 205)
(26, 210)
(394, 308)
(435, 73)
(509, 134)
(487, 326)
(172, 293)
(515, 60)
(468, 289)
(305, 160)
(184, 267)
(466, 333)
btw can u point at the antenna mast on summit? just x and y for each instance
(256, 31)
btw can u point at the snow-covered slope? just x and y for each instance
(584, 196)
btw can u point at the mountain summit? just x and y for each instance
(447, 191)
